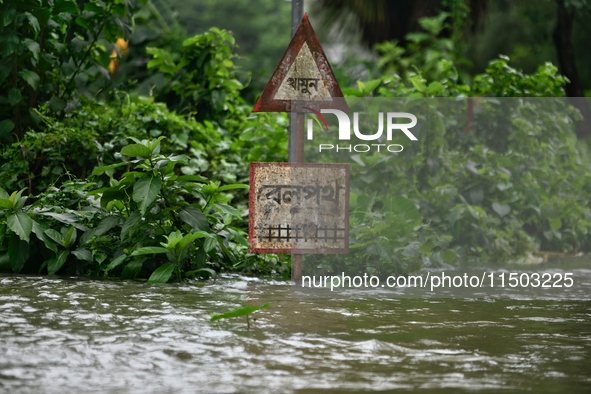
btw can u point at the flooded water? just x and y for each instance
(61, 335)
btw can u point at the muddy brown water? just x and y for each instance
(70, 335)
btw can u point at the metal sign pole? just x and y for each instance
(296, 135)
(302, 78)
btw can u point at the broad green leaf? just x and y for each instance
(102, 228)
(130, 223)
(18, 200)
(449, 256)
(42, 14)
(406, 208)
(154, 145)
(227, 209)
(434, 88)
(210, 244)
(173, 239)
(238, 312)
(371, 85)
(194, 218)
(5, 203)
(33, 22)
(112, 194)
(92, 7)
(66, 218)
(39, 229)
(132, 269)
(419, 83)
(70, 237)
(136, 150)
(116, 262)
(14, 96)
(102, 169)
(54, 264)
(191, 178)
(57, 104)
(21, 224)
(555, 223)
(8, 16)
(100, 257)
(232, 187)
(83, 254)
(5, 68)
(187, 239)
(18, 252)
(5, 262)
(501, 209)
(4, 194)
(55, 235)
(8, 44)
(149, 250)
(6, 127)
(119, 9)
(68, 6)
(31, 78)
(80, 21)
(146, 190)
(351, 92)
(162, 274)
(239, 237)
(33, 47)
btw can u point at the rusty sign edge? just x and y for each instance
(304, 34)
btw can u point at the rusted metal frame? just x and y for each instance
(296, 135)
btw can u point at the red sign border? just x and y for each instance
(304, 34)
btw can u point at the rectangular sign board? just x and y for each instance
(299, 208)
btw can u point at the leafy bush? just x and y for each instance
(150, 222)
(491, 179)
(78, 157)
(52, 49)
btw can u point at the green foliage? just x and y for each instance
(150, 221)
(159, 218)
(424, 50)
(261, 29)
(176, 179)
(202, 75)
(491, 179)
(51, 49)
(92, 135)
(239, 312)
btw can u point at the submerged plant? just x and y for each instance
(239, 312)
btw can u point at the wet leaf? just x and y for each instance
(162, 274)
(238, 312)
(55, 263)
(21, 224)
(146, 190)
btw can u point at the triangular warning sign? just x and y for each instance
(303, 76)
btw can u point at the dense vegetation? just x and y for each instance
(490, 190)
(137, 167)
(120, 184)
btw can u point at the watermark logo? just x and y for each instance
(391, 126)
